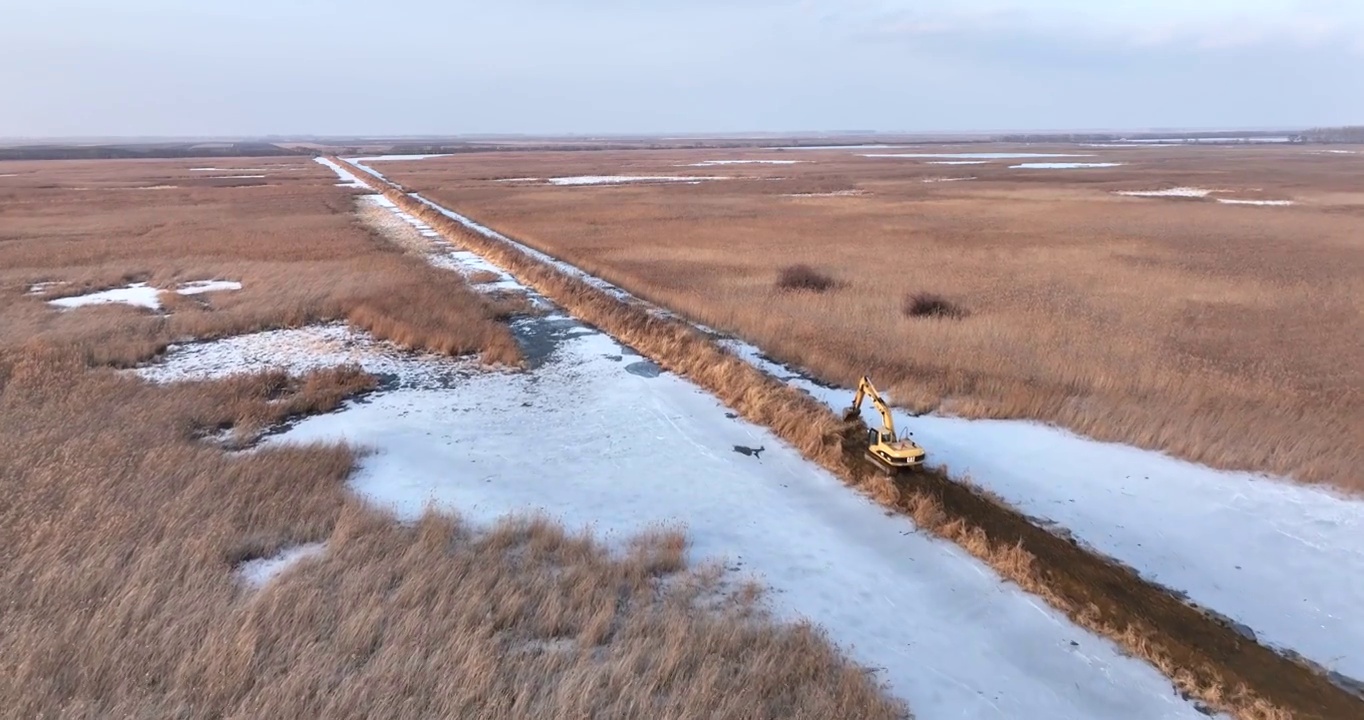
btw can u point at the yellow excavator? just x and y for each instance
(892, 454)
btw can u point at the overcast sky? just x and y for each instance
(249, 67)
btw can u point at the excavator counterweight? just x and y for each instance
(888, 452)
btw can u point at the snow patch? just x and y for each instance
(1062, 165)
(203, 286)
(299, 351)
(422, 228)
(835, 193)
(9, 174)
(136, 294)
(42, 287)
(957, 162)
(349, 178)
(257, 573)
(1232, 201)
(385, 158)
(1189, 192)
(142, 295)
(546, 258)
(1192, 192)
(395, 158)
(1130, 145)
(619, 179)
(461, 261)
(379, 200)
(467, 264)
(976, 155)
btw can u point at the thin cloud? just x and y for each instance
(1149, 25)
(149, 67)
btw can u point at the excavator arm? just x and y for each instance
(866, 390)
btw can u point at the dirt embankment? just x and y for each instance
(1205, 657)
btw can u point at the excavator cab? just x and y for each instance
(889, 453)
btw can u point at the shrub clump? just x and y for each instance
(804, 277)
(925, 304)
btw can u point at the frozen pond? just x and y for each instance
(1185, 192)
(1062, 165)
(976, 155)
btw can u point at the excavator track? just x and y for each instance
(885, 467)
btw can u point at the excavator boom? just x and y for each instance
(864, 390)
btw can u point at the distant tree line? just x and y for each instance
(1349, 134)
(119, 152)
(1118, 137)
(460, 148)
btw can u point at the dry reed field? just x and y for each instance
(121, 529)
(1226, 334)
(1205, 657)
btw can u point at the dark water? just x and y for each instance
(540, 337)
(644, 369)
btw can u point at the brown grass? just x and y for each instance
(429, 312)
(804, 277)
(931, 305)
(261, 401)
(1205, 658)
(121, 527)
(298, 250)
(483, 276)
(120, 598)
(1228, 333)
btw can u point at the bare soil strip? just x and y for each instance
(1203, 655)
